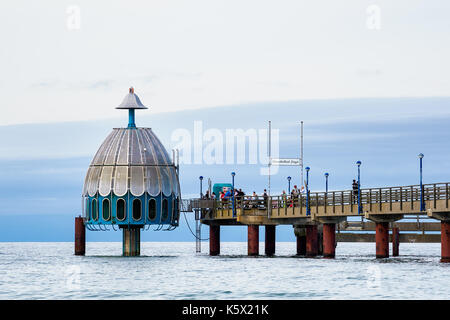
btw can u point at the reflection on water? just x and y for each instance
(174, 271)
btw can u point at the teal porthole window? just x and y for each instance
(121, 210)
(165, 209)
(94, 208)
(137, 209)
(106, 210)
(87, 210)
(152, 209)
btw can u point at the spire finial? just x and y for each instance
(131, 102)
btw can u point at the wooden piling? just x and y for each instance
(382, 239)
(312, 249)
(253, 240)
(270, 240)
(80, 237)
(214, 240)
(301, 243)
(395, 241)
(445, 241)
(329, 240)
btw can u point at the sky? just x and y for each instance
(73, 60)
(370, 79)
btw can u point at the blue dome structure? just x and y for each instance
(131, 182)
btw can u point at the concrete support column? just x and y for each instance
(131, 241)
(445, 241)
(270, 240)
(253, 240)
(320, 240)
(80, 237)
(214, 240)
(382, 239)
(311, 241)
(395, 241)
(301, 244)
(329, 240)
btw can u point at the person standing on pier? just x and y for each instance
(266, 199)
(294, 195)
(355, 190)
(254, 200)
(283, 199)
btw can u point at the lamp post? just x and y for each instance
(358, 163)
(422, 203)
(232, 190)
(289, 184)
(201, 188)
(326, 181)
(308, 211)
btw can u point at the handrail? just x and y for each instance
(404, 195)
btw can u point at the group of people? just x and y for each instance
(239, 195)
(295, 192)
(224, 195)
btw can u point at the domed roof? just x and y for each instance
(131, 160)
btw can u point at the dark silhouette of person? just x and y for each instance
(355, 191)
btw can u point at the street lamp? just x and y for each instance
(289, 184)
(326, 181)
(201, 189)
(308, 211)
(232, 190)
(358, 163)
(422, 203)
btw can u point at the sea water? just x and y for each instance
(172, 270)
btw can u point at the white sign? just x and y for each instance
(285, 162)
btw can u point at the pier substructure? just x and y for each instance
(382, 232)
(382, 239)
(320, 239)
(131, 245)
(214, 240)
(444, 217)
(253, 240)
(445, 241)
(300, 234)
(270, 240)
(395, 241)
(329, 235)
(312, 245)
(329, 240)
(80, 237)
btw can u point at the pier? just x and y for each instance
(320, 221)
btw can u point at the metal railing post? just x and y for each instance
(334, 204)
(380, 196)
(401, 199)
(446, 195)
